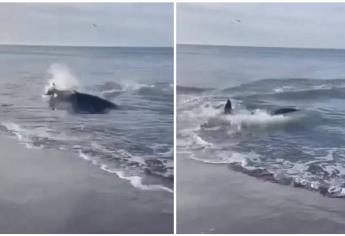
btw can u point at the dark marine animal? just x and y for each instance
(279, 111)
(228, 107)
(76, 102)
(284, 110)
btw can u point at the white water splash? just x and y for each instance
(62, 77)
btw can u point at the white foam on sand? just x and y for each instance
(226, 157)
(25, 135)
(135, 181)
(14, 128)
(20, 133)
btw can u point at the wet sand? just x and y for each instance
(215, 199)
(48, 191)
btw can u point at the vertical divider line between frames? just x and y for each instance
(175, 124)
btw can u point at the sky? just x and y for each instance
(87, 24)
(301, 25)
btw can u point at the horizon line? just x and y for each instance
(250, 46)
(97, 46)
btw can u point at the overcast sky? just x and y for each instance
(97, 24)
(310, 25)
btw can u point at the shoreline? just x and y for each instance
(52, 191)
(215, 199)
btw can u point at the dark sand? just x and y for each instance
(214, 199)
(47, 191)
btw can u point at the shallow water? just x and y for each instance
(135, 142)
(304, 149)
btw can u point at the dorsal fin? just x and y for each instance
(228, 107)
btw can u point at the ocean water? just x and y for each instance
(134, 143)
(303, 149)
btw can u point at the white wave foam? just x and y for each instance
(14, 128)
(192, 141)
(167, 154)
(197, 112)
(120, 153)
(258, 117)
(25, 134)
(84, 156)
(139, 160)
(134, 86)
(235, 123)
(200, 141)
(163, 150)
(111, 93)
(19, 132)
(208, 161)
(22, 134)
(227, 157)
(282, 89)
(136, 181)
(188, 100)
(100, 147)
(337, 191)
(322, 87)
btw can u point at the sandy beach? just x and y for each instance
(49, 191)
(214, 199)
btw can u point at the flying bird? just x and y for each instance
(236, 21)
